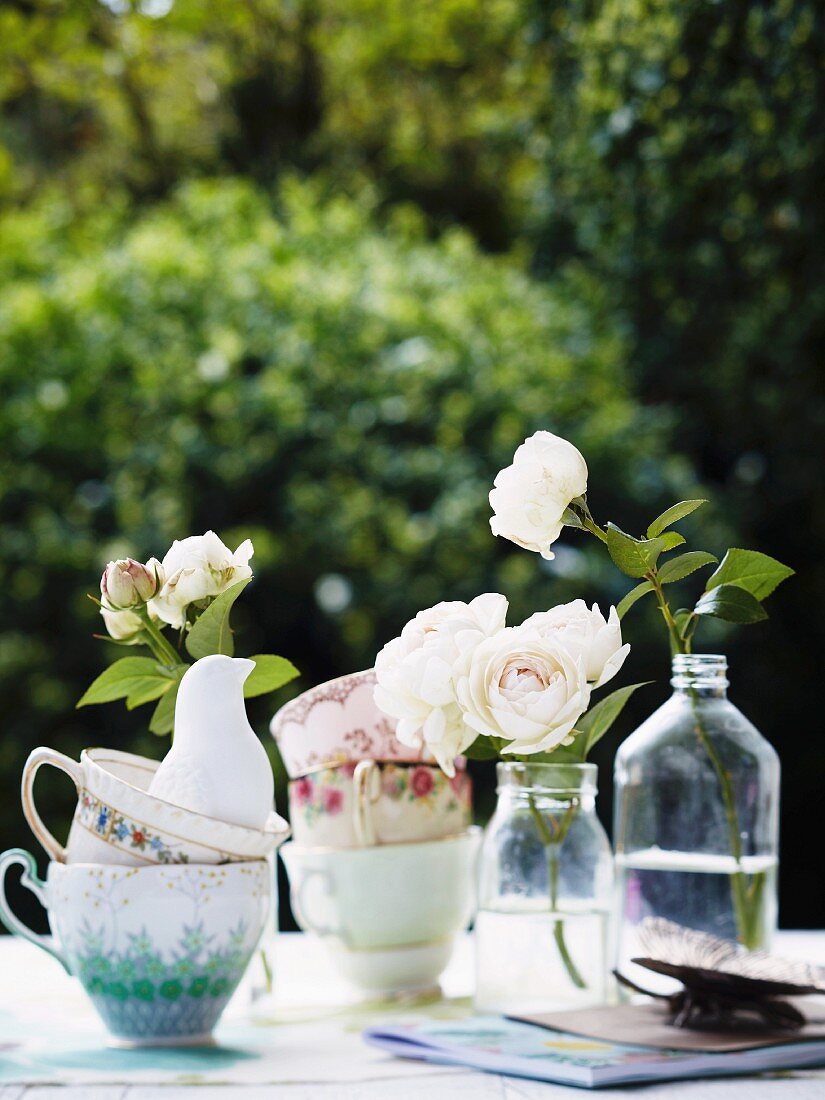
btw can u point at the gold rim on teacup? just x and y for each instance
(326, 849)
(99, 786)
(341, 761)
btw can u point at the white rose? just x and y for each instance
(586, 634)
(530, 497)
(416, 672)
(123, 626)
(198, 568)
(525, 688)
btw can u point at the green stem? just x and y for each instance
(677, 642)
(552, 841)
(162, 649)
(594, 529)
(746, 898)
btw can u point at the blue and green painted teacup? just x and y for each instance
(159, 950)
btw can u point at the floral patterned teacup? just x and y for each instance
(159, 950)
(338, 722)
(356, 805)
(117, 821)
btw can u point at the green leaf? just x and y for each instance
(481, 749)
(270, 672)
(564, 754)
(211, 633)
(757, 573)
(594, 725)
(671, 540)
(163, 717)
(149, 690)
(121, 679)
(731, 603)
(571, 518)
(634, 557)
(682, 617)
(672, 515)
(625, 604)
(678, 568)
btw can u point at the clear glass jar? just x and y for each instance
(696, 817)
(545, 892)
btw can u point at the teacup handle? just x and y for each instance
(30, 880)
(366, 789)
(301, 910)
(37, 758)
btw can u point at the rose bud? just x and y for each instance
(126, 583)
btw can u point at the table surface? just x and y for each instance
(313, 1021)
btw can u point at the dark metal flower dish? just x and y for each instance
(723, 986)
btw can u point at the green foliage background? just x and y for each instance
(309, 272)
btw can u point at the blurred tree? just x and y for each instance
(684, 168)
(343, 395)
(657, 162)
(436, 105)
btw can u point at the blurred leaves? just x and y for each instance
(334, 368)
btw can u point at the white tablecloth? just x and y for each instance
(52, 1044)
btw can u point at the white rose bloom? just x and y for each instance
(530, 497)
(586, 634)
(416, 672)
(123, 626)
(525, 688)
(198, 568)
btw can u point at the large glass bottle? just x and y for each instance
(696, 816)
(545, 892)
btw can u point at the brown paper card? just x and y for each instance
(647, 1025)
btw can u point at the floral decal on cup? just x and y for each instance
(119, 831)
(138, 982)
(322, 793)
(421, 782)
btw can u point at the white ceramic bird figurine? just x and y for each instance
(216, 765)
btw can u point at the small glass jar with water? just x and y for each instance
(545, 893)
(696, 817)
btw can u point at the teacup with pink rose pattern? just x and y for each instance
(338, 722)
(360, 804)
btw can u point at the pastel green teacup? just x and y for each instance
(159, 950)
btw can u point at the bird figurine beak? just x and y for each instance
(244, 667)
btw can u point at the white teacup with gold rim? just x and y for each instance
(383, 897)
(356, 805)
(117, 821)
(389, 915)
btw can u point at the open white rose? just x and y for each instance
(525, 688)
(587, 634)
(416, 674)
(198, 568)
(530, 496)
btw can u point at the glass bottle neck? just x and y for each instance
(703, 674)
(548, 785)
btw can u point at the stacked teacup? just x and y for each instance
(156, 909)
(382, 861)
